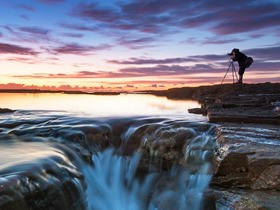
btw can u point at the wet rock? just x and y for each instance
(246, 109)
(198, 111)
(57, 190)
(242, 199)
(5, 110)
(164, 144)
(39, 179)
(249, 156)
(248, 103)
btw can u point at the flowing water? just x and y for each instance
(126, 152)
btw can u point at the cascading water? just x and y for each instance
(123, 161)
(113, 183)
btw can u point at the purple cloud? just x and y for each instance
(136, 43)
(196, 58)
(34, 30)
(264, 54)
(24, 17)
(140, 61)
(73, 35)
(28, 34)
(16, 49)
(77, 49)
(92, 11)
(164, 70)
(25, 7)
(51, 1)
(80, 27)
(156, 16)
(218, 40)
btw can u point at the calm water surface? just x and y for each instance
(92, 145)
(100, 105)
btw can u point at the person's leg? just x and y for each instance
(241, 71)
(240, 80)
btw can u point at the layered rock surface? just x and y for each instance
(248, 166)
(247, 170)
(248, 138)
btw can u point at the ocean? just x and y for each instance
(99, 152)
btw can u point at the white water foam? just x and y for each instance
(112, 182)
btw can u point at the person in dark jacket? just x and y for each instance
(243, 62)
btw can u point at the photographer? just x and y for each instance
(243, 62)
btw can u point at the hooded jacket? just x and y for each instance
(239, 56)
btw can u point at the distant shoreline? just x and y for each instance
(178, 93)
(56, 91)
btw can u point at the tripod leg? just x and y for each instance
(235, 72)
(226, 73)
(232, 72)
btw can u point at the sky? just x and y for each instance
(133, 45)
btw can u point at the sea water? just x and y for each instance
(100, 142)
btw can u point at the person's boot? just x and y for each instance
(240, 79)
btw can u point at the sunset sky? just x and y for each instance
(117, 45)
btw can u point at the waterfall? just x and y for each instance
(109, 155)
(113, 184)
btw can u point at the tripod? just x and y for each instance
(233, 71)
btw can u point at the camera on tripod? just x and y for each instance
(231, 68)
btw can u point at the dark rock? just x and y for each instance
(246, 109)
(198, 111)
(248, 103)
(5, 110)
(248, 157)
(247, 170)
(25, 191)
(242, 199)
(45, 180)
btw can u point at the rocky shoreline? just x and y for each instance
(247, 174)
(247, 159)
(6, 110)
(248, 103)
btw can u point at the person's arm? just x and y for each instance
(236, 57)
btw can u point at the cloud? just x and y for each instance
(156, 17)
(77, 49)
(136, 43)
(25, 7)
(51, 1)
(265, 54)
(73, 35)
(79, 74)
(35, 30)
(22, 60)
(141, 61)
(80, 27)
(122, 73)
(213, 40)
(251, 17)
(16, 49)
(54, 88)
(28, 34)
(24, 17)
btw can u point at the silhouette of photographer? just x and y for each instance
(243, 62)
